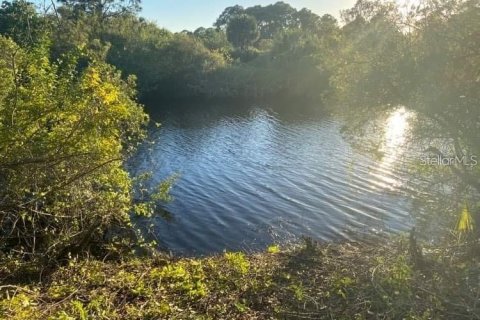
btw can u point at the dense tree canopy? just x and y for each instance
(227, 14)
(20, 21)
(242, 31)
(272, 19)
(103, 8)
(213, 39)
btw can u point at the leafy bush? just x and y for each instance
(65, 130)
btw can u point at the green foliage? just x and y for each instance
(19, 21)
(275, 18)
(237, 261)
(227, 14)
(447, 60)
(298, 291)
(242, 31)
(198, 64)
(272, 19)
(79, 310)
(348, 281)
(188, 279)
(68, 120)
(136, 47)
(213, 39)
(273, 249)
(425, 58)
(22, 305)
(341, 285)
(165, 64)
(397, 274)
(64, 135)
(103, 8)
(373, 55)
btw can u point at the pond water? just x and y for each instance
(250, 176)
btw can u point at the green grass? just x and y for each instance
(334, 281)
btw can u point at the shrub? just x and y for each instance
(65, 130)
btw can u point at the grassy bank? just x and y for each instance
(392, 280)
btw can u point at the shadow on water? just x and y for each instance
(198, 113)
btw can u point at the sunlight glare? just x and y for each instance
(395, 130)
(393, 146)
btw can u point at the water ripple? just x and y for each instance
(251, 177)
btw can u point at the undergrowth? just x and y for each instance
(334, 281)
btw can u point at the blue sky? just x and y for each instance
(177, 15)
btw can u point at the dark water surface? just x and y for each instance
(250, 176)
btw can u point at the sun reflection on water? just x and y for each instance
(396, 131)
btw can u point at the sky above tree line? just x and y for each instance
(178, 15)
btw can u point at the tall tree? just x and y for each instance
(273, 18)
(242, 31)
(20, 21)
(227, 15)
(307, 20)
(104, 8)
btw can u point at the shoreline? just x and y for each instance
(350, 280)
